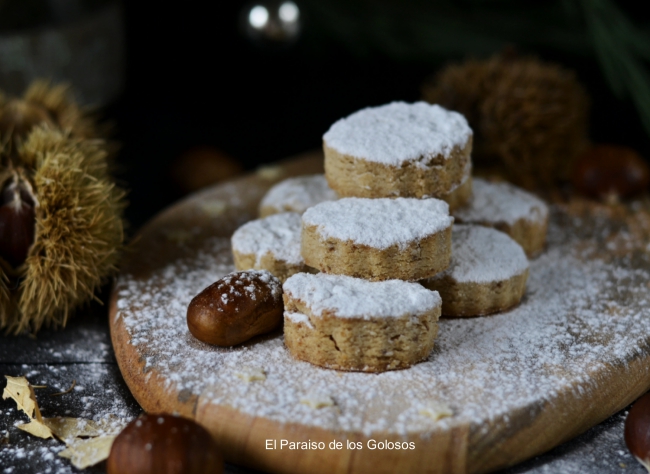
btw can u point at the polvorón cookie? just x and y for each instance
(271, 243)
(488, 273)
(399, 149)
(378, 239)
(346, 323)
(521, 215)
(296, 195)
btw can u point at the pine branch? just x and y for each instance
(620, 48)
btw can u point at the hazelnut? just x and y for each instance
(637, 430)
(236, 307)
(164, 444)
(606, 170)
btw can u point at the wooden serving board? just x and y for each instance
(575, 351)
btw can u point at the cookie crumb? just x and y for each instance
(252, 374)
(435, 410)
(317, 401)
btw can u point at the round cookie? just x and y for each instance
(399, 149)
(346, 323)
(378, 239)
(296, 195)
(271, 243)
(521, 215)
(487, 274)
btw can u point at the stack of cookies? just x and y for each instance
(369, 253)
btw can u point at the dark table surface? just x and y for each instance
(83, 353)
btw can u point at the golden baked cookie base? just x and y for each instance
(278, 268)
(477, 299)
(356, 177)
(365, 345)
(420, 259)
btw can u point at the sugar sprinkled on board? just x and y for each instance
(501, 202)
(298, 194)
(399, 132)
(348, 297)
(278, 234)
(580, 317)
(379, 223)
(483, 255)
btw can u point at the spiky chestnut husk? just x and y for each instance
(535, 121)
(463, 87)
(78, 230)
(44, 103)
(530, 115)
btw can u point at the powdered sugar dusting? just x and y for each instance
(298, 318)
(237, 285)
(399, 132)
(501, 202)
(298, 194)
(581, 316)
(483, 255)
(379, 223)
(349, 297)
(278, 234)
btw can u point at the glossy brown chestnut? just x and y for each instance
(164, 444)
(17, 221)
(637, 430)
(236, 307)
(610, 170)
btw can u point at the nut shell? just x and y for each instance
(637, 430)
(164, 444)
(236, 308)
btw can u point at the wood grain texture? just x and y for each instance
(459, 447)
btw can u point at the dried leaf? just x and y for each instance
(88, 452)
(82, 452)
(20, 391)
(66, 428)
(36, 428)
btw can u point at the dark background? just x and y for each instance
(195, 78)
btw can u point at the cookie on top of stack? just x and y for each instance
(380, 234)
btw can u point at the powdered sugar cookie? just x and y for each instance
(521, 215)
(488, 273)
(271, 243)
(399, 149)
(297, 195)
(346, 323)
(378, 239)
